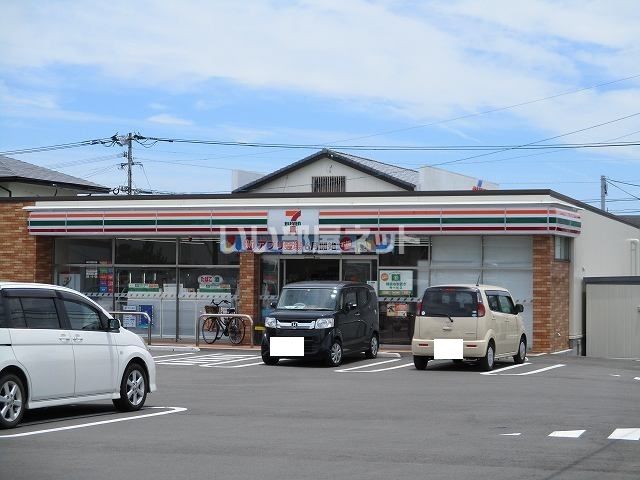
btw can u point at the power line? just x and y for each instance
(83, 143)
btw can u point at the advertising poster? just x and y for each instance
(395, 283)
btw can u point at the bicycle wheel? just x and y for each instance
(210, 330)
(236, 330)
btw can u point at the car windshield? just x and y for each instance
(450, 301)
(308, 299)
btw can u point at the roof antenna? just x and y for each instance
(478, 281)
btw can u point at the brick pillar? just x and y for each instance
(249, 288)
(550, 297)
(23, 257)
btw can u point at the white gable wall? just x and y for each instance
(299, 180)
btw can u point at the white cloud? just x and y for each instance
(167, 119)
(447, 59)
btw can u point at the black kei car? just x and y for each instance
(322, 320)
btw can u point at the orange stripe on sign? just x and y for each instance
(348, 213)
(410, 212)
(239, 214)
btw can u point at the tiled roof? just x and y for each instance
(17, 170)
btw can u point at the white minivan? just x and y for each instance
(468, 322)
(59, 347)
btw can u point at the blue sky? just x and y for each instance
(326, 72)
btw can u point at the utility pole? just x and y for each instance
(129, 162)
(603, 192)
(128, 141)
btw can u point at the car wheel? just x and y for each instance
(133, 389)
(420, 362)
(334, 355)
(522, 351)
(12, 400)
(269, 360)
(487, 362)
(372, 351)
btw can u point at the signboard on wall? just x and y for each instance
(308, 244)
(395, 283)
(293, 221)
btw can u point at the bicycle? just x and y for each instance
(214, 328)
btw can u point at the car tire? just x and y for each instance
(488, 361)
(420, 362)
(269, 360)
(133, 389)
(521, 356)
(374, 345)
(334, 354)
(12, 401)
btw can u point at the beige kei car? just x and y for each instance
(465, 322)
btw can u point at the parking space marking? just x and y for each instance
(94, 424)
(497, 372)
(510, 434)
(173, 355)
(561, 352)
(234, 366)
(367, 365)
(536, 371)
(625, 434)
(211, 359)
(532, 372)
(567, 433)
(636, 378)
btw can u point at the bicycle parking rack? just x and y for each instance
(204, 316)
(140, 314)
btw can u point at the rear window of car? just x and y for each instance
(450, 301)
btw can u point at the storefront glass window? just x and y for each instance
(205, 252)
(147, 252)
(507, 251)
(405, 256)
(82, 250)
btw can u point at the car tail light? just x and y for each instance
(481, 310)
(419, 311)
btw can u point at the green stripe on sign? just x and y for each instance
(526, 220)
(47, 223)
(473, 220)
(128, 222)
(184, 222)
(568, 222)
(240, 221)
(410, 220)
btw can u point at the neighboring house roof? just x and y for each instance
(634, 219)
(399, 176)
(12, 170)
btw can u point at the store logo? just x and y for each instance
(293, 223)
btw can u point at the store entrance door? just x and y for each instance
(303, 269)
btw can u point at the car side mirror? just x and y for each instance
(519, 308)
(114, 324)
(350, 306)
(273, 304)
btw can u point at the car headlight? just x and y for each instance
(270, 322)
(324, 322)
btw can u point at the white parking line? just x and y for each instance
(93, 424)
(173, 355)
(497, 372)
(234, 366)
(536, 371)
(567, 433)
(510, 434)
(209, 364)
(367, 365)
(561, 351)
(385, 369)
(625, 434)
(536, 354)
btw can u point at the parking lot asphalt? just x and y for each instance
(222, 414)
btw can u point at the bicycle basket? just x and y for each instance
(211, 309)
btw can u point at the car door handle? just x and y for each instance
(77, 338)
(64, 337)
